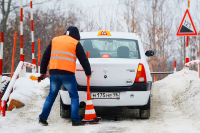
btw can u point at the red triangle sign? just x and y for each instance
(186, 27)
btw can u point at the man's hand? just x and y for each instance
(47, 75)
(41, 77)
(89, 76)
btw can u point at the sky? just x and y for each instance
(115, 9)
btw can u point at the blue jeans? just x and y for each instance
(69, 82)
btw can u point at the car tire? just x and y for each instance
(144, 114)
(65, 110)
(145, 110)
(4, 88)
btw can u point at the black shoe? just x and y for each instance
(78, 123)
(42, 122)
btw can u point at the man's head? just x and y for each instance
(73, 32)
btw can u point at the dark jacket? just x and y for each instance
(73, 32)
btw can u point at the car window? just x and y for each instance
(111, 48)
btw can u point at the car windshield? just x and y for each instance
(111, 48)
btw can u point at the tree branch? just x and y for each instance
(27, 5)
(3, 8)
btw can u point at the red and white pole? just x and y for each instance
(32, 37)
(174, 66)
(1, 59)
(187, 51)
(23, 72)
(21, 30)
(187, 46)
(32, 32)
(3, 102)
(199, 55)
(38, 55)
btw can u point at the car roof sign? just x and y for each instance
(104, 33)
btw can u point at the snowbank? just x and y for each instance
(26, 89)
(185, 89)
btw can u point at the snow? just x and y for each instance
(184, 89)
(174, 108)
(26, 89)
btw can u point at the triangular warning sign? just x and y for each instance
(186, 27)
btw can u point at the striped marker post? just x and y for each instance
(187, 51)
(38, 55)
(3, 102)
(23, 72)
(199, 56)
(32, 37)
(174, 66)
(187, 48)
(1, 60)
(188, 3)
(21, 30)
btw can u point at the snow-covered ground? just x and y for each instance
(175, 108)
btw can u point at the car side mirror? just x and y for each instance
(149, 53)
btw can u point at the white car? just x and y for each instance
(120, 73)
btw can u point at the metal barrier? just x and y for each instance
(19, 69)
(194, 62)
(161, 73)
(6, 74)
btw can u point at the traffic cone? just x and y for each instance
(90, 114)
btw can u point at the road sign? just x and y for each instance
(186, 27)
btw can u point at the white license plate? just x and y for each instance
(105, 95)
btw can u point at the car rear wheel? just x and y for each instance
(144, 114)
(145, 110)
(65, 110)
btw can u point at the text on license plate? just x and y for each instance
(105, 95)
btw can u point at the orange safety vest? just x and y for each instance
(63, 53)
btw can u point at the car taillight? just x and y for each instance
(105, 56)
(141, 75)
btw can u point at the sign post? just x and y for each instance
(199, 56)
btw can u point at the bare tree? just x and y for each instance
(132, 16)
(159, 34)
(6, 8)
(46, 26)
